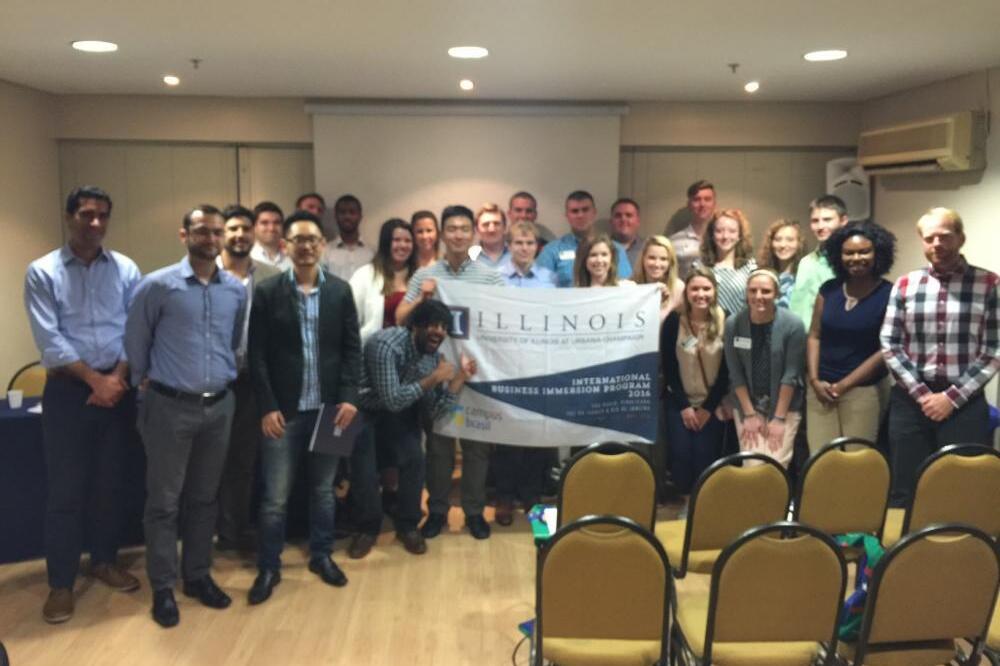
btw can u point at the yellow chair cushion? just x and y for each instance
(941, 652)
(600, 652)
(692, 620)
(993, 634)
(671, 536)
(893, 529)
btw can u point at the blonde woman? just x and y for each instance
(694, 365)
(596, 264)
(658, 263)
(727, 249)
(781, 252)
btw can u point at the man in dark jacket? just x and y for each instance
(305, 352)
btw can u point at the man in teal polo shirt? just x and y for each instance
(826, 214)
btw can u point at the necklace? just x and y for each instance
(850, 301)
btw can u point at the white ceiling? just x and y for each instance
(627, 50)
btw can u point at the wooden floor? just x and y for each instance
(458, 604)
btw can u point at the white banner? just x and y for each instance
(557, 367)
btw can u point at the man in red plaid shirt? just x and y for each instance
(940, 341)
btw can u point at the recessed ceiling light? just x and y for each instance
(466, 84)
(468, 52)
(825, 55)
(171, 80)
(752, 86)
(94, 46)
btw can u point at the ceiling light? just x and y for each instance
(171, 80)
(752, 86)
(466, 84)
(472, 52)
(94, 46)
(825, 55)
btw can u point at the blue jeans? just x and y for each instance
(401, 432)
(691, 452)
(279, 461)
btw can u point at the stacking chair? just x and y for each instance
(775, 599)
(612, 479)
(934, 586)
(729, 498)
(993, 637)
(30, 379)
(602, 595)
(958, 484)
(844, 488)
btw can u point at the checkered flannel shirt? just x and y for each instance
(943, 329)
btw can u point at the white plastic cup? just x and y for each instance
(14, 398)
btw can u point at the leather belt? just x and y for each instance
(203, 399)
(60, 373)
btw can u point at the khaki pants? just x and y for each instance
(856, 414)
(756, 443)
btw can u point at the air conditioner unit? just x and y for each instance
(948, 143)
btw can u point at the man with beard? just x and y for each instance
(941, 341)
(348, 253)
(182, 334)
(305, 352)
(236, 485)
(405, 383)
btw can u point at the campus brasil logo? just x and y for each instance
(458, 415)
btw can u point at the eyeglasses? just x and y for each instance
(304, 240)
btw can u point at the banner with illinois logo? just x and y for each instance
(556, 367)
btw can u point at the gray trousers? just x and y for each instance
(440, 465)
(185, 451)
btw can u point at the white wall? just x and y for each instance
(30, 216)
(397, 164)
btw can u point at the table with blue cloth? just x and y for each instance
(23, 486)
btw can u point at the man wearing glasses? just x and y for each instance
(305, 351)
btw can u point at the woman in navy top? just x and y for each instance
(843, 354)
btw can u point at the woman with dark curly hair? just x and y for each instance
(843, 355)
(781, 252)
(726, 249)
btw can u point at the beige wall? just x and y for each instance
(30, 215)
(168, 118)
(741, 124)
(900, 200)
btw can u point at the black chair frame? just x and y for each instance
(611, 521)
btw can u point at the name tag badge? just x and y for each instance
(567, 255)
(690, 343)
(742, 343)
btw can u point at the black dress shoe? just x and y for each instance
(433, 525)
(263, 585)
(478, 527)
(207, 592)
(329, 572)
(165, 608)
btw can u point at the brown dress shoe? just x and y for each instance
(115, 577)
(59, 606)
(413, 541)
(361, 545)
(505, 512)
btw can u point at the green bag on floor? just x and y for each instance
(854, 607)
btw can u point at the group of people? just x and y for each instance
(266, 326)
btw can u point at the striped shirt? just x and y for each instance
(308, 305)
(732, 291)
(391, 374)
(943, 330)
(472, 272)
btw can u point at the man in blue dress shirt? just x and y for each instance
(77, 298)
(559, 255)
(184, 327)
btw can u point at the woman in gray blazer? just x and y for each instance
(765, 354)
